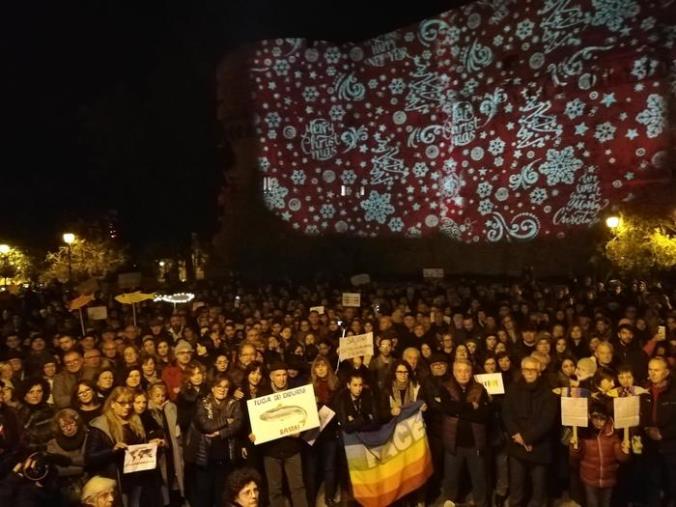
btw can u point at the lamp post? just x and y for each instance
(68, 239)
(4, 251)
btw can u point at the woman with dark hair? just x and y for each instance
(165, 355)
(242, 488)
(85, 401)
(193, 388)
(255, 384)
(69, 440)
(220, 365)
(132, 378)
(211, 445)
(36, 418)
(400, 389)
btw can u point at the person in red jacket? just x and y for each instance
(600, 453)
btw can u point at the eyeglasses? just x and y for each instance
(402, 372)
(123, 402)
(85, 392)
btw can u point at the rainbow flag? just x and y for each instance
(389, 463)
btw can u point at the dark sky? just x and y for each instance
(111, 105)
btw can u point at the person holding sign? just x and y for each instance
(109, 436)
(529, 413)
(600, 453)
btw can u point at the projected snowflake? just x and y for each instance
(501, 120)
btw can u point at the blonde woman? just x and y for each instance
(110, 434)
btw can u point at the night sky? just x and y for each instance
(111, 105)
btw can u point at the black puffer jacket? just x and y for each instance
(37, 425)
(530, 409)
(226, 419)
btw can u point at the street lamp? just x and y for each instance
(68, 239)
(613, 222)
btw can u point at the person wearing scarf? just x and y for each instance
(69, 443)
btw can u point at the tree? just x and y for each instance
(88, 259)
(640, 245)
(15, 267)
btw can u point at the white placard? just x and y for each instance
(357, 345)
(361, 279)
(574, 412)
(351, 299)
(140, 457)
(318, 309)
(97, 313)
(282, 414)
(433, 273)
(492, 382)
(325, 416)
(626, 412)
(129, 280)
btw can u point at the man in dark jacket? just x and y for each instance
(466, 411)
(529, 413)
(283, 456)
(356, 407)
(628, 351)
(660, 449)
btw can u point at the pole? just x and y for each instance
(133, 312)
(81, 322)
(70, 266)
(575, 442)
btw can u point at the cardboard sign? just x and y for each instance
(282, 414)
(355, 346)
(129, 280)
(574, 412)
(325, 416)
(492, 382)
(627, 412)
(351, 299)
(97, 313)
(433, 273)
(318, 309)
(140, 457)
(362, 279)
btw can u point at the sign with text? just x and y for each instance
(433, 273)
(351, 299)
(492, 382)
(361, 279)
(325, 416)
(282, 414)
(574, 411)
(138, 458)
(626, 412)
(97, 313)
(318, 309)
(355, 346)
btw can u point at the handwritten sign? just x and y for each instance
(318, 309)
(351, 299)
(433, 273)
(492, 382)
(626, 412)
(361, 279)
(283, 414)
(355, 346)
(325, 416)
(574, 411)
(140, 457)
(97, 313)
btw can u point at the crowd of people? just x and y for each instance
(72, 402)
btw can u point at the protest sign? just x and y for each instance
(574, 412)
(626, 412)
(361, 279)
(351, 299)
(492, 382)
(357, 345)
(140, 457)
(282, 414)
(318, 309)
(325, 416)
(97, 313)
(433, 273)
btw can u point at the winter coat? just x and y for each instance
(209, 418)
(530, 410)
(37, 425)
(664, 408)
(457, 407)
(357, 416)
(172, 434)
(600, 454)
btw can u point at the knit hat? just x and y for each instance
(278, 365)
(438, 357)
(95, 486)
(183, 346)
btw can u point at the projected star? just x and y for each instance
(629, 176)
(631, 134)
(580, 129)
(608, 99)
(286, 216)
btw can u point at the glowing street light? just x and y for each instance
(4, 249)
(68, 238)
(613, 222)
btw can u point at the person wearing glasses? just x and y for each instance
(529, 413)
(109, 436)
(65, 380)
(85, 401)
(401, 389)
(69, 442)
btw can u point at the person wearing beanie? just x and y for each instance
(99, 492)
(172, 375)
